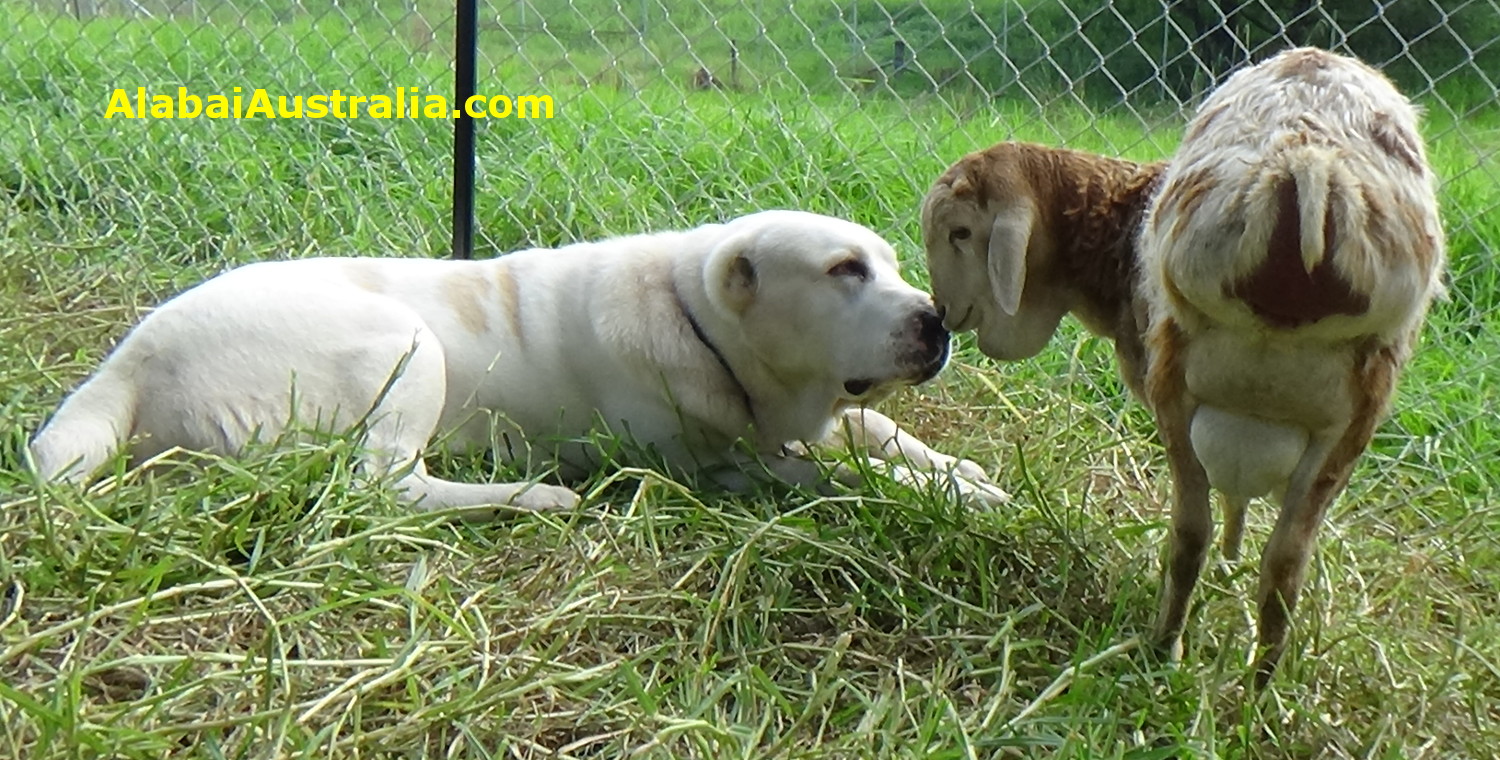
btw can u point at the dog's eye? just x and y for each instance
(850, 267)
(959, 233)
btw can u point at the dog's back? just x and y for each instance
(1300, 200)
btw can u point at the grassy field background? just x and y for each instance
(260, 608)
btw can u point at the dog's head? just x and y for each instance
(989, 251)
(821, 302)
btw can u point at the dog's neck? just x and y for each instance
(734, 379)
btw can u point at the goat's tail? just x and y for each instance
(87, 430)
(1310, 173)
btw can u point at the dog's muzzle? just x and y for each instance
(926, 357)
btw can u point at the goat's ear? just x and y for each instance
(730, 276)
(1010, 236)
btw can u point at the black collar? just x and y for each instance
(719, 355)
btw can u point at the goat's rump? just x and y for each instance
(1300, 201)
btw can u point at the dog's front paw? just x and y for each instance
(973, 483)
(963, 468)
(542, 497)
(974, 492)
(970, 470)
(979, 492)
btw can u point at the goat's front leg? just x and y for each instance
(1322, 474)
(1192, 517)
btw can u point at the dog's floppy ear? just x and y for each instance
(1010, 236)
(730, 277)
(740, 280)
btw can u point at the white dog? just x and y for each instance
(773, 329)
(1289, 261)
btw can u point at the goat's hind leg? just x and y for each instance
(1320, 477)
(1191, 533)
(1234, 527)
(1192, 516)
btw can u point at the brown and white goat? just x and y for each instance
(1289, 261)
(1283, 271)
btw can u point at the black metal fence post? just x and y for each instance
(464, 55)
(734, 64)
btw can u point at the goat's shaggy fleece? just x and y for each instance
(1288, 260)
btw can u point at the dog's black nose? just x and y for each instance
(931, 330)
(933, 338)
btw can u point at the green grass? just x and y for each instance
(263, 608)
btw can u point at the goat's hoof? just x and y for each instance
(1265, 668)
(1168, 645)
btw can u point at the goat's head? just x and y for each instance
(989, 253)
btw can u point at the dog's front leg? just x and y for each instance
(1320, 477)
(795, 464)
(873, 435)
(1192, 518)
(870, 433)
(791, 465)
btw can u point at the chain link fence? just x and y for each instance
(1114, 76)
